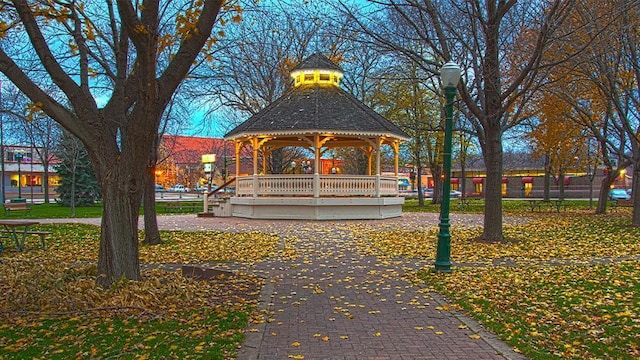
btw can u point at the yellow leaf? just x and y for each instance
(475, 336)
(325, 338)
(295, 344)
(377, 334)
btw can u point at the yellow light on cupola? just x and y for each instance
(316, 76)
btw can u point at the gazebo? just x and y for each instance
(316, 114)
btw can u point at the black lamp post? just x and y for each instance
(18, 155)
(450, 76)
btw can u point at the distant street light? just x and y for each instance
(450, 76)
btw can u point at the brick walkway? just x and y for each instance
(335, 302)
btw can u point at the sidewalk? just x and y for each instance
(336, 303)
(333, 301)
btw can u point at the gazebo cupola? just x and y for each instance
(317, 69)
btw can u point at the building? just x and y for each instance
(23, 173)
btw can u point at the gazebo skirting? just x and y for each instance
(316, 197)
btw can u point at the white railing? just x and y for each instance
(327, 185)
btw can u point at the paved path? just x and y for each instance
(333, 301)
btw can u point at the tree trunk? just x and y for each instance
(493, 186)
(151, 231)
(635, 195)
(72, 198)
(118, 257)
(547, 178)
(605, 185)
(437, 185)
(45, 180)
(463, 179)
(561, 185)
(419, 182)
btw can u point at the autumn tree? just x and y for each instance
(500, 47)
(600, 84)
(107, 50)
(407, 99)
(557, 139)
(254, 61)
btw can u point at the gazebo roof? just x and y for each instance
(317, 108)
(317, 61)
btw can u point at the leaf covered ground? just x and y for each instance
(51, 307)
(563, 286)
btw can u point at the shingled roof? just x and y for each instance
(317, 108)
(317, 61)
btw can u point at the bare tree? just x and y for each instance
(113, 53)
(500, 46)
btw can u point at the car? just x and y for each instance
(179, 188)
(160, 188)
(454, 194)
(618, 194)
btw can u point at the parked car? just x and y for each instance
(618, 194)
(160, 188)
(454, 194)
(179, 188)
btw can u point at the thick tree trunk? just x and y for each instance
(605, 185)
(635, 195)
(437, 185)
(493, 186)
(118, 257)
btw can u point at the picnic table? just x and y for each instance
(17, 231)
(552, 203)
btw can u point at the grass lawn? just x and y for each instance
(55, 211)
(52, 309)
(566, 286)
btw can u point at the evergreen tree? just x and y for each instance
(78, 184)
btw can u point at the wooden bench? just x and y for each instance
(179, 207)
(4, 234)
(622, 203)
(8, 207)
(556, 204)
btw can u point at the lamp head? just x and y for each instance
(450, 74)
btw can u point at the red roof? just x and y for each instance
(189, 149)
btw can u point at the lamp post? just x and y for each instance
(450, 76)
(18, 156)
